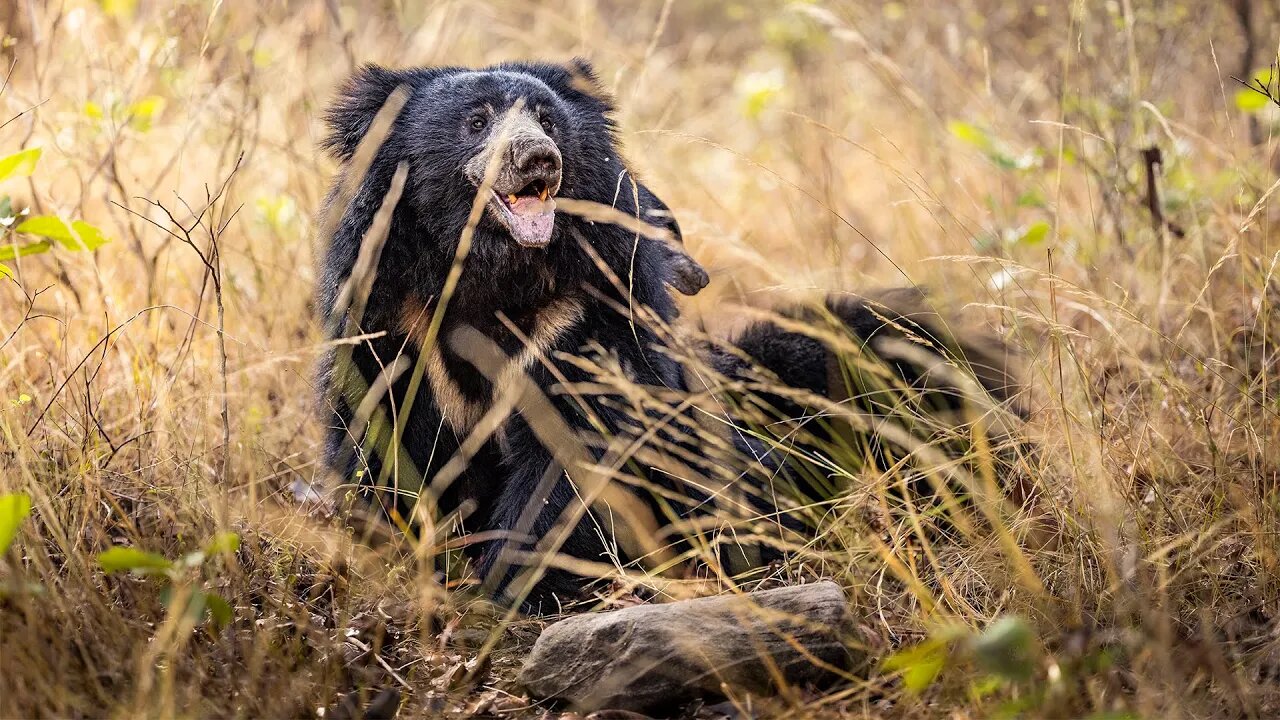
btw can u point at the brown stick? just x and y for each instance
(1244, 13)
(1152, 157)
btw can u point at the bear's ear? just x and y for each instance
(352, 111)
(583, 78)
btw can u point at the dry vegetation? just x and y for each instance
(991, 150)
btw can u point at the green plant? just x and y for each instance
(14, 508)
(185, 580)
(1004, 656)
(18, 230)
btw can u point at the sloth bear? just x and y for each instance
(508, 372)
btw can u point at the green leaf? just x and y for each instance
(226, 542)
(1032, 199)
(12, 252)
(142, 112)
(1035, 234)
(919, 664)
(758, 90)
(986, 686)
(996, 151)
(14, 508)
(5, 271)
(1005, 648)
(196, 603)
(219, 610)
(1250, 101)
(970, 133)
(119, 8)
(77, 235)
(200, 605)
(19, 164)
(120, 559)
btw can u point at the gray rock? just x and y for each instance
(652, 657)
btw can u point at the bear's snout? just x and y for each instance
(525, 178)
(531, 163)
(537, 159)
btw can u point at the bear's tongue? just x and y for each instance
(532, 220)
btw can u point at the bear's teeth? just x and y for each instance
(511, 199)
(543, 195)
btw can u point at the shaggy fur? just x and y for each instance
(545, 309)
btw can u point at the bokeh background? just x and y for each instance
(999, 152)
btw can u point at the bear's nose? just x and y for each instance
(540, 160)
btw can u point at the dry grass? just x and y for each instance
(838, 144)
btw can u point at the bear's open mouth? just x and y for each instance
(537, 187)
(528, 214)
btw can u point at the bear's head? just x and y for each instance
(528, 132)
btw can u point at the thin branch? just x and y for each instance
(1270, 89)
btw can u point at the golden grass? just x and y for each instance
(990, 150)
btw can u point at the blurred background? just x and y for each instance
(1086, 178)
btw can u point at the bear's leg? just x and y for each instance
(528, 511)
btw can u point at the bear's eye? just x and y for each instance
(547, 125)
(479, 122)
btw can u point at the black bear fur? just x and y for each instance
(580, 291)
